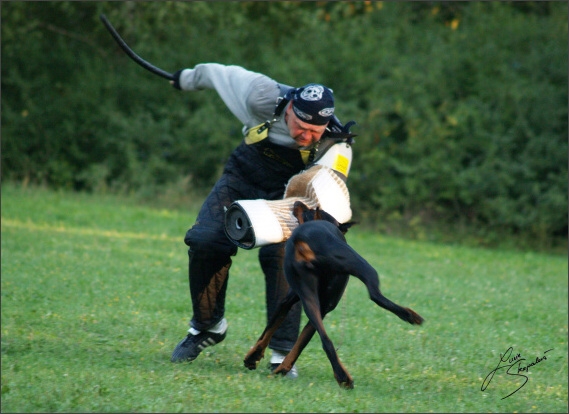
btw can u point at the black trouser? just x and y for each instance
(258, 171)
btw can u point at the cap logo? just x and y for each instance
(313, 103)
(312, 93)
(301, 114)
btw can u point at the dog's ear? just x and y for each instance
(345, 226)
(323, 215)
(298, 211)
(317, 214)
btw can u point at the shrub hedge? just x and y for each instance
(461, 106)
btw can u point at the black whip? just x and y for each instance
(146, 65)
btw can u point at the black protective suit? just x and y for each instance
(257, 171)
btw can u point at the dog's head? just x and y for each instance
(304, 214)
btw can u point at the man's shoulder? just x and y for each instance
(263, 97)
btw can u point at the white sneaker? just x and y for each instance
(276, 358)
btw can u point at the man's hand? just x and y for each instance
(176, 82)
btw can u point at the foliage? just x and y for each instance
(93, 307)
(461, 106)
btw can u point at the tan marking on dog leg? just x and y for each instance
(303, 252)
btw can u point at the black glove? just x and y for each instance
(176, 81)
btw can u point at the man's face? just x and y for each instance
(303, 133)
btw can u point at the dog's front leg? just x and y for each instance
(257, 351)
(303, 340)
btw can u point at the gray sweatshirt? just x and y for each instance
(250, 96)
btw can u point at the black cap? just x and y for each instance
(313, 103)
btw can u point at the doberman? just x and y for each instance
(318, 263)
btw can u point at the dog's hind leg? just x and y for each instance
(356, 265)
(311, 304)
(257, 351)
(371, 281)
(342, 376)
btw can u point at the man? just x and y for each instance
(284, 129)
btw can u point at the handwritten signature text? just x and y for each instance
(514, 367)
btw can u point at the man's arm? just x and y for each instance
(232, 83)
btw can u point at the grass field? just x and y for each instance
(95, 297)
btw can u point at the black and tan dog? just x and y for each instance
(317, 264)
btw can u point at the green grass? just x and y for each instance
(95, 297)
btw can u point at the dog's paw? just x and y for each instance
(347, 385)
(414, 318)
(250, 364)
(280, 370)
(253, 357)
(344, 380)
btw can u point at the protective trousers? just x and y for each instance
(257, 171)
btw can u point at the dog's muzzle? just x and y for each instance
(256, 223)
